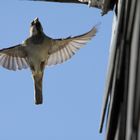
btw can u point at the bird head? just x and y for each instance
(35, 27)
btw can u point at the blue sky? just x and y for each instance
(72, 91)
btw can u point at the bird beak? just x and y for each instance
(36, 20)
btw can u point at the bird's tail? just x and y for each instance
(38, 88)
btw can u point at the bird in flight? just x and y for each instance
(39, 50)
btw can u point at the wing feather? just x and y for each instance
(64, 49)
(14, 58)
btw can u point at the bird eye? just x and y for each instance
(32, 23)
(38, 24)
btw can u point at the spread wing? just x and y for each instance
(13, 58)
(63, 49)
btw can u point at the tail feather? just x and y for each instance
(38, 88)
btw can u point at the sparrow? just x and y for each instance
(40, 50)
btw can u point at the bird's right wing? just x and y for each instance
(14, 58)
(63, 49)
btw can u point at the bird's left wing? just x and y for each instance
(63, 49)
(14, 58)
